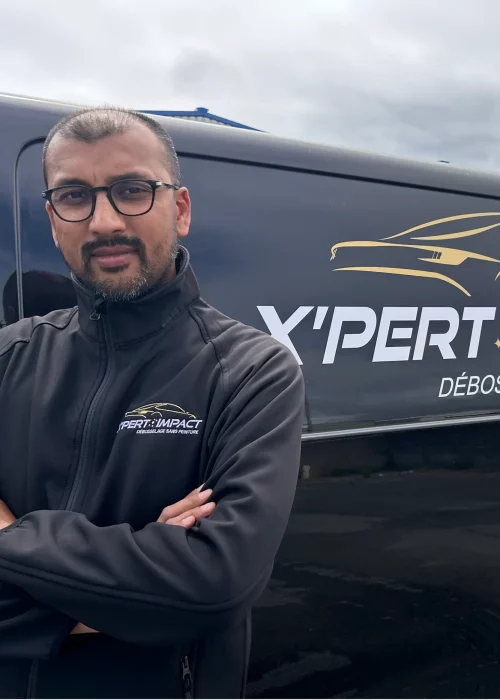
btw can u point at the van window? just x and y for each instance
(46, 282)
(7, 259)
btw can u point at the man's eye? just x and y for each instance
(132, 190)
(72, 195)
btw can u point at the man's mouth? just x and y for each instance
(113, 256)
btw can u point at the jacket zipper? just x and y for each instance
(187, 677)
(30, 687)
(81, 469)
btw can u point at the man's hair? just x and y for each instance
(96, 123)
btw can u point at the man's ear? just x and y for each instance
(183, 204)
(52, 218)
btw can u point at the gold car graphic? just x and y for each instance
(158, 410)
(421, 250)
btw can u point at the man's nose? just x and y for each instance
(105, 219)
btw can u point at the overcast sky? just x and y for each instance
(416, 78)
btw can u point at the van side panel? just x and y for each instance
(381, 292)
(387, 582)
(375, 300)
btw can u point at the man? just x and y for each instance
(150, 444)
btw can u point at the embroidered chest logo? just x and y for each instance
(160, 418)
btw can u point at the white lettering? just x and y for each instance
(461, 383)
(343, 314)
(280, 330)
(489, 377)
(385, 350)
(383, 353)
(473, 384)
(440, 340)
(321, 312)
(469, 386)
(402, 333)
(443, 380)
(193, 423)
(477, 314)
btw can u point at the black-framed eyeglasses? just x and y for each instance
(76, 203)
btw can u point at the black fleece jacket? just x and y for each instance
(108, 413)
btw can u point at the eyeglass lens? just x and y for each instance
(130, 197)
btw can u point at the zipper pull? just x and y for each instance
(187, 678)
(96, 313)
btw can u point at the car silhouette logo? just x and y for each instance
(422, 251)
(158, 410)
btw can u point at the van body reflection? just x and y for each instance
(388, 581)
(42, 292)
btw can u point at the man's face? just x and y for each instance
(118, 256)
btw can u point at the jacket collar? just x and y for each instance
(130, 321)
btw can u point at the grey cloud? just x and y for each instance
(414, 78)
(201, 72)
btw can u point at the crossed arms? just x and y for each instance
(179, 578)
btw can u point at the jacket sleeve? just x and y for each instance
(28, 629)
(164, 583)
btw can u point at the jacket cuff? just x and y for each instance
(67, 626)
(12, 526)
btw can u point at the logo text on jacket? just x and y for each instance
(160, 418)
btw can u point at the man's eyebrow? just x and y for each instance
(133, 175)
(71, 181)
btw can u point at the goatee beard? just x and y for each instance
(135, 287)
(131, 288)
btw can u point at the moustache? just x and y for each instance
(135, 243)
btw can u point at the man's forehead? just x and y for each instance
(135, 149)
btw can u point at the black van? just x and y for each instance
(381, 276)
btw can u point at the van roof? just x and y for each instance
(257, 148)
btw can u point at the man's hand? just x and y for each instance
(7, 517)
(183, 513)
(83, 629)
(186, 512)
